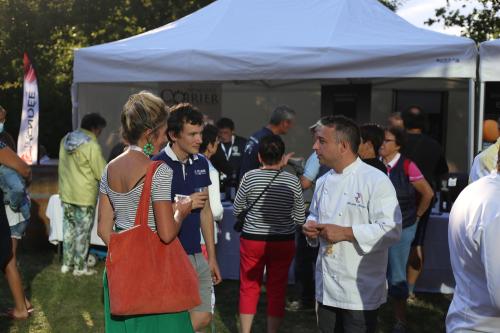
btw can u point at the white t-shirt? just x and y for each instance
(13, 217)
(214, 197)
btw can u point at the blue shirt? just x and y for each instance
(313, 170)
(186, 177)
(250, 160)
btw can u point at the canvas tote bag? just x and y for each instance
(145, 275)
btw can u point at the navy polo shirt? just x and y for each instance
(250, 159)
(186, 177)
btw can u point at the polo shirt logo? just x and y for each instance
(199, 172)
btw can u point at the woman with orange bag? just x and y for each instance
(144, 124)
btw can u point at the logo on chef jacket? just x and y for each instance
(200, 172)
(358, 201)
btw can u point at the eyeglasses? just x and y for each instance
(389, 140)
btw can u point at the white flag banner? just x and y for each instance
(27, 142)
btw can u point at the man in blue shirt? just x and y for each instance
(281, 121)
(191, 178)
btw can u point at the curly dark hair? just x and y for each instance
(180, 114)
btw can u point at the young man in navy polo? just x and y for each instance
(191, 178)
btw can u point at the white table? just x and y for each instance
(228, 246)
(437, 275)
(55, 214)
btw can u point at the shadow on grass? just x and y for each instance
(426, 314)
(64, 303)
(227, 320)
(227, 297)
(34, 254)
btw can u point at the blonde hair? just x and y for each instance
(143, 111)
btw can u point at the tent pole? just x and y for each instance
(470, 142)
(481, 117)
(74, 105)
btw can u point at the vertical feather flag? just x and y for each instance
(27, 141)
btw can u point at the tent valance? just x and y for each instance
(280, 39)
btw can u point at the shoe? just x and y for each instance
(297, 306)
(84, 272)
(412, 299)
(65, 269)
(399, 327)
(10, 315)
(30, 310)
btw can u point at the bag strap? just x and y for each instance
(143, 207)
(264, 191)
(406, 167)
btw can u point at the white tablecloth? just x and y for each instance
(55, 214)
(437, 275)
(228, 248)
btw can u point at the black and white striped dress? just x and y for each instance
(276, 214)
(125, 204)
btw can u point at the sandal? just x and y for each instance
(10, 314)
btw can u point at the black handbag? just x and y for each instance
(240, 219)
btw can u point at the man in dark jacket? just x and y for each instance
(428, 155)
(227, 158)
(281, 121)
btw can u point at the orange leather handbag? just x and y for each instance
(146, 275)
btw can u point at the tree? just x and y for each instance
(392, 4)
(481, 24)
(49, 30)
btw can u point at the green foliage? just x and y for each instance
(49, 30)
(392, 4)
(481, 23)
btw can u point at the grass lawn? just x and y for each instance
(64, 303)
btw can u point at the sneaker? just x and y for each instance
(412, 299)
(399, 327)
(297, 306)
(65, 269)
(84, 272)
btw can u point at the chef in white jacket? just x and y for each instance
(355, 218)
(473, 236)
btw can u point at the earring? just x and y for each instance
(148, 149)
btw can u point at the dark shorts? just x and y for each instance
(421, 228)
(5, 240)
(334, 320)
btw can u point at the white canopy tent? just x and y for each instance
(489, 70)
(282, 40)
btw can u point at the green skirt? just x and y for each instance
(166, 322)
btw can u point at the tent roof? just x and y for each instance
(489, 64)
(280, 39)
